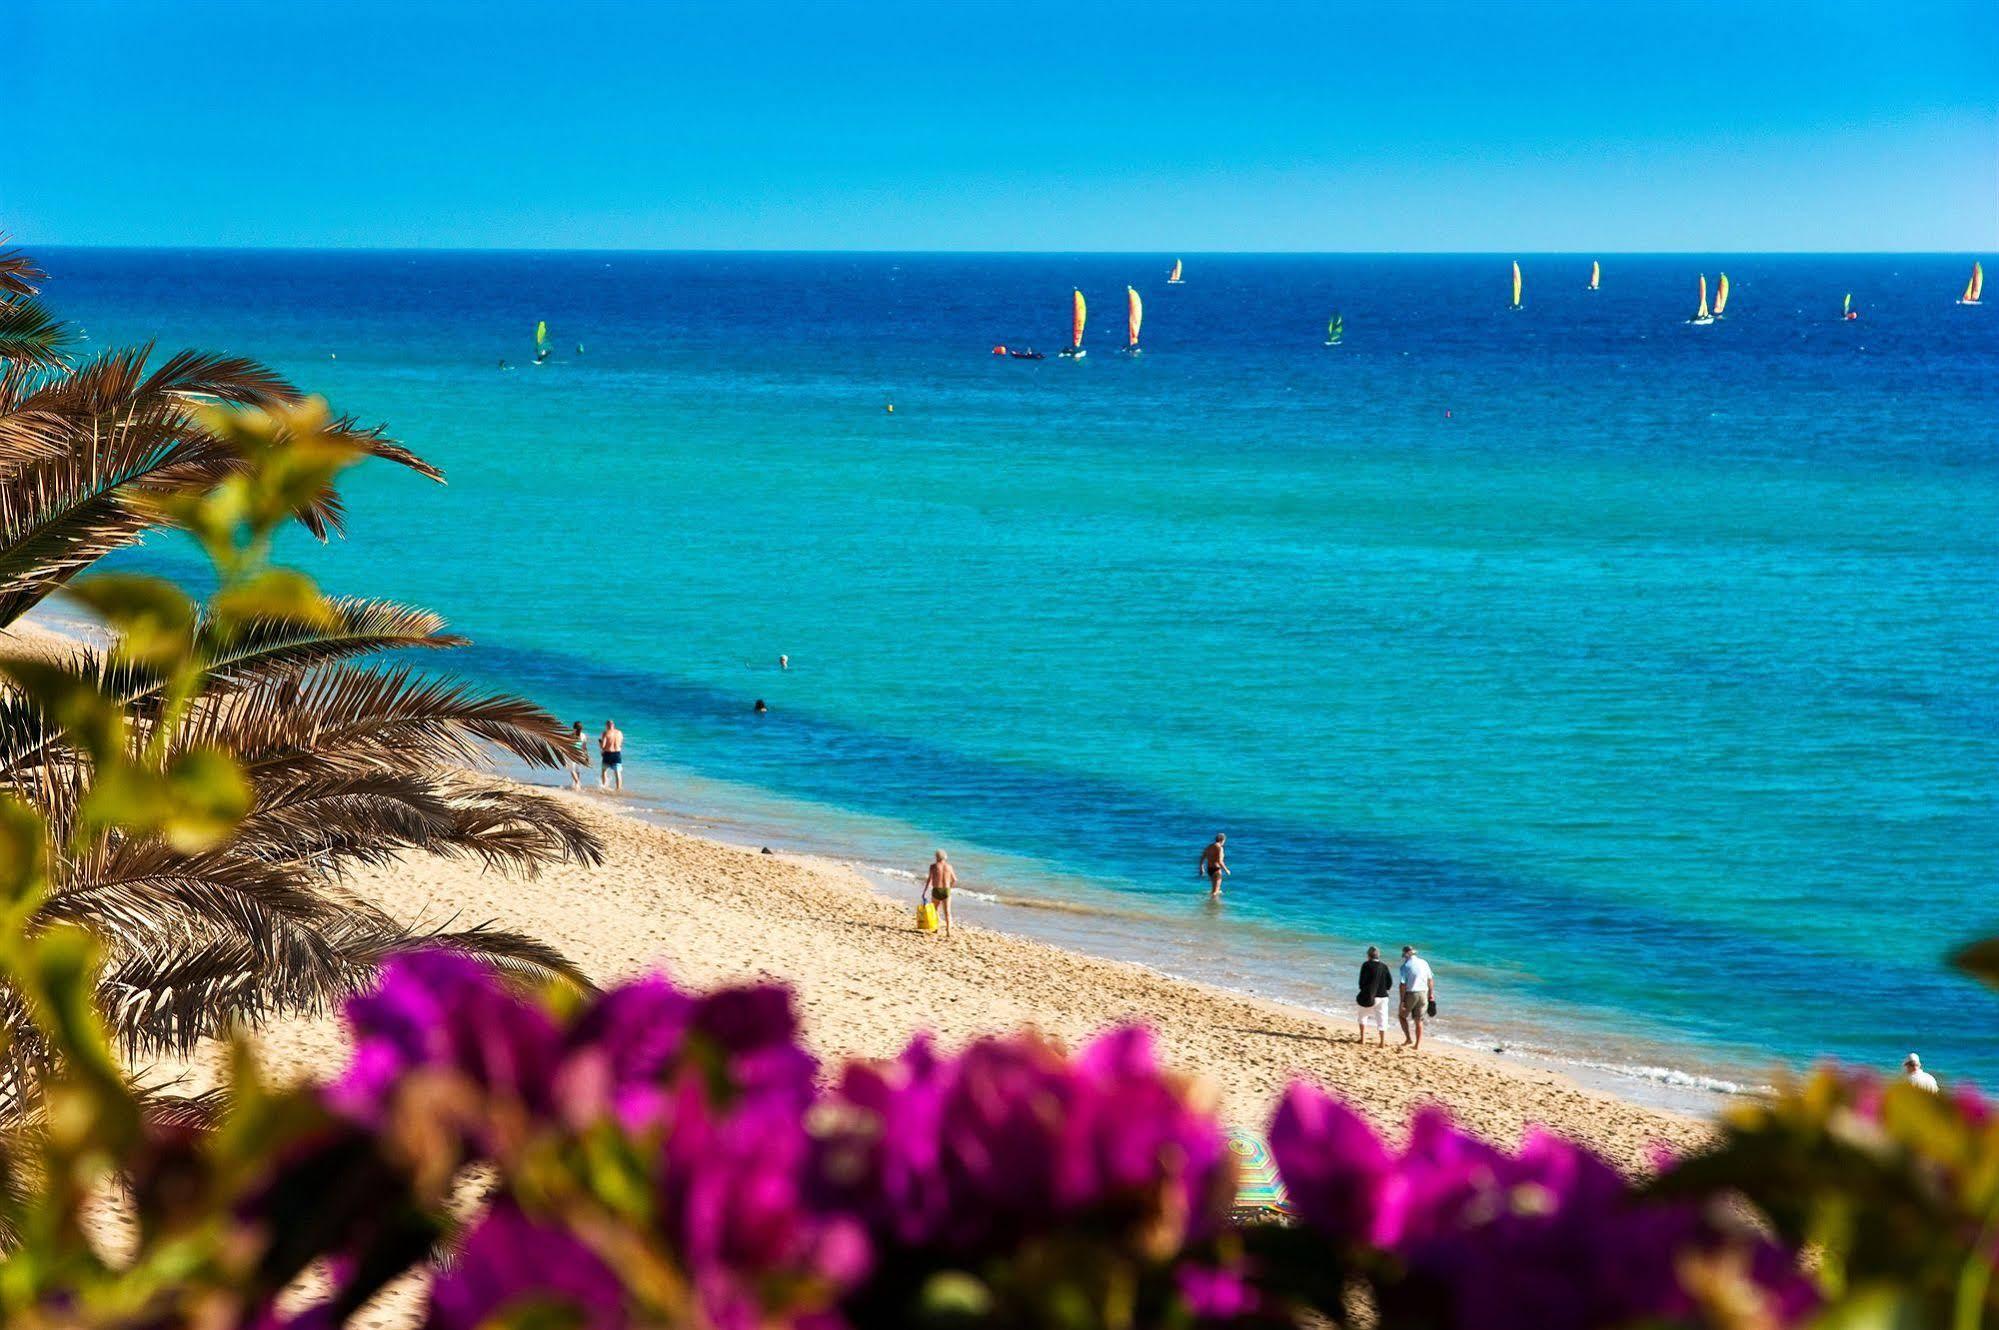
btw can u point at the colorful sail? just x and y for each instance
(1846, 306)
(541, 336)
(1336, 329)
(1174, 276)
(1721, 295)
(1076, 321)
(1974, 290)
(1134, 315)
(1516, 284)
(1703, 314)
(1595, 274)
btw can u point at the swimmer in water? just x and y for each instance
(784, 662)
(760, 707)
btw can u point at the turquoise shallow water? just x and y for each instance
(1643, 674)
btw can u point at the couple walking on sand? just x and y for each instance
(1417, 1003)
(611, 745)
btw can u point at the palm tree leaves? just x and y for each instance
(335, 762)
(88, 454)
(29, 334)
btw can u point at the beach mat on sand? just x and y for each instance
(1260, 1195)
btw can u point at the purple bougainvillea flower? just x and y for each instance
(971, 1155)
(1336, 1170)
(738, 1203)
(622, 1055)
(512, 1263)
(444, 1011)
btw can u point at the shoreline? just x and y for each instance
(1640, 1071)
(642, 828)
(706, 913)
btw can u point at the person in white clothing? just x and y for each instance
(1912, 1068)
(1419, 994)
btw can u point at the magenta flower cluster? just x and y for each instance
(1549, 1237)
(757, 1195)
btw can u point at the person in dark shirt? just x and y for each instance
(1377, 981)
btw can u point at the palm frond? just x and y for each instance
(18, 273)
(29, 333)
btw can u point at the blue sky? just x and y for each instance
(1640, 125)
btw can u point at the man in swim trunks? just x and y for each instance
(1214, 866)
(611, 743)
(937, 886)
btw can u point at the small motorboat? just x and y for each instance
(1029, 354)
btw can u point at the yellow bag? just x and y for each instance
(926, 918)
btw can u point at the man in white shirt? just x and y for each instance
(1419, 990)
(1912, 1068)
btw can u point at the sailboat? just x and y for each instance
(1846, 310)
(1134, 315)
(1173, 278)
(1974, 288)
(1721, 295)
(1075, 351)
(1336, 329)
(1516, 284)
(541, 346)
(1703, 318)
(1595, 274)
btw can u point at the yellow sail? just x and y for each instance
(541, 333)
(1595, 274)
(1135, 313)
(1703, 314)
(1721, 295)
(1174, 276)
(1975, 288)
(1076, 323)
(1516, 284)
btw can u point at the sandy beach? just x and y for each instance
(708, 913)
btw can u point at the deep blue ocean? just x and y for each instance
(1646, 675)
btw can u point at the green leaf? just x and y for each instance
(1875, 1307)
(280, 594)
(24, 863)
(1980, 960)
(154, 619)
(953, 1294)
(207, 796)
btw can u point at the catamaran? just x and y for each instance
(1516, 284)
(1975, 288)
(1075, 351)
(541, 346)
(1173, 278)
(1335, 329)
(1703, 317)
(1846, 310)
(1134, 315)
(1595, 274)
(1721, 295)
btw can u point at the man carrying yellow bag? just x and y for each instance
(935, 901)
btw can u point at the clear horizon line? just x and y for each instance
(32, 246)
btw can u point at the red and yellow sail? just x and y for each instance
(1975, 288)
(1721, 295)
(1516, 284)
(1134, 314)
(1595, 274)
(1174, 276)
(1082, 312)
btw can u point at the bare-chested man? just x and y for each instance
(937, 887)
(1214, 866)
(611, 743)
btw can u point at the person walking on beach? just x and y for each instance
(1419, 996)
(1214, 866)
(1912, 1070)
(579, 742)
(1377, 984)
(937, 886)
(611, 743)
